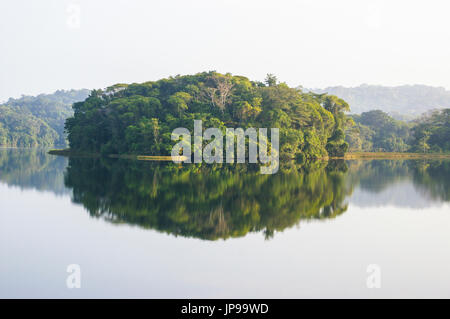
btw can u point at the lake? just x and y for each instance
(345, 229)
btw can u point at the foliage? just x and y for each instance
(139, 118)
(376, 131)
(432, 132)
(37, 121)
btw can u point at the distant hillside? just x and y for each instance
(37, 120)
(399, 101)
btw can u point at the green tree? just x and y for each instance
(179, 101)
(271, 80)
(139, 118)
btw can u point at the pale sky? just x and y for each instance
(314, 43)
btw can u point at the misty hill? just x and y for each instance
(37, 120)
(402, 102)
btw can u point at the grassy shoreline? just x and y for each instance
(67, 152)
(348, 156)
(392, 155)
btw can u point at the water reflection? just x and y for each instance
(208, 202)
(213, 202)
(33, 169)
(401, 183)
(220, 202)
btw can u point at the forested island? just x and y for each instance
(127, 119)
(139, 118)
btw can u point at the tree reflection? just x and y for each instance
(207, 202)
(32, 169)
(214, 202)
(430, 177)
(433, 178)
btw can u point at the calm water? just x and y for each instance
(164, 231)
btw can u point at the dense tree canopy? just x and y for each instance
(376, 131)
(139, 118)
(37, 120)
(432, 132)
(379, 132)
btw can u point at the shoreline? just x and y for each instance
(69, 153)
(392, 155)
(348, 156)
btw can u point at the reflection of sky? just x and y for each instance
(400, 228)
(400, 194)
(40, 234)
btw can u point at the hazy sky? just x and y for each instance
(46, 45)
